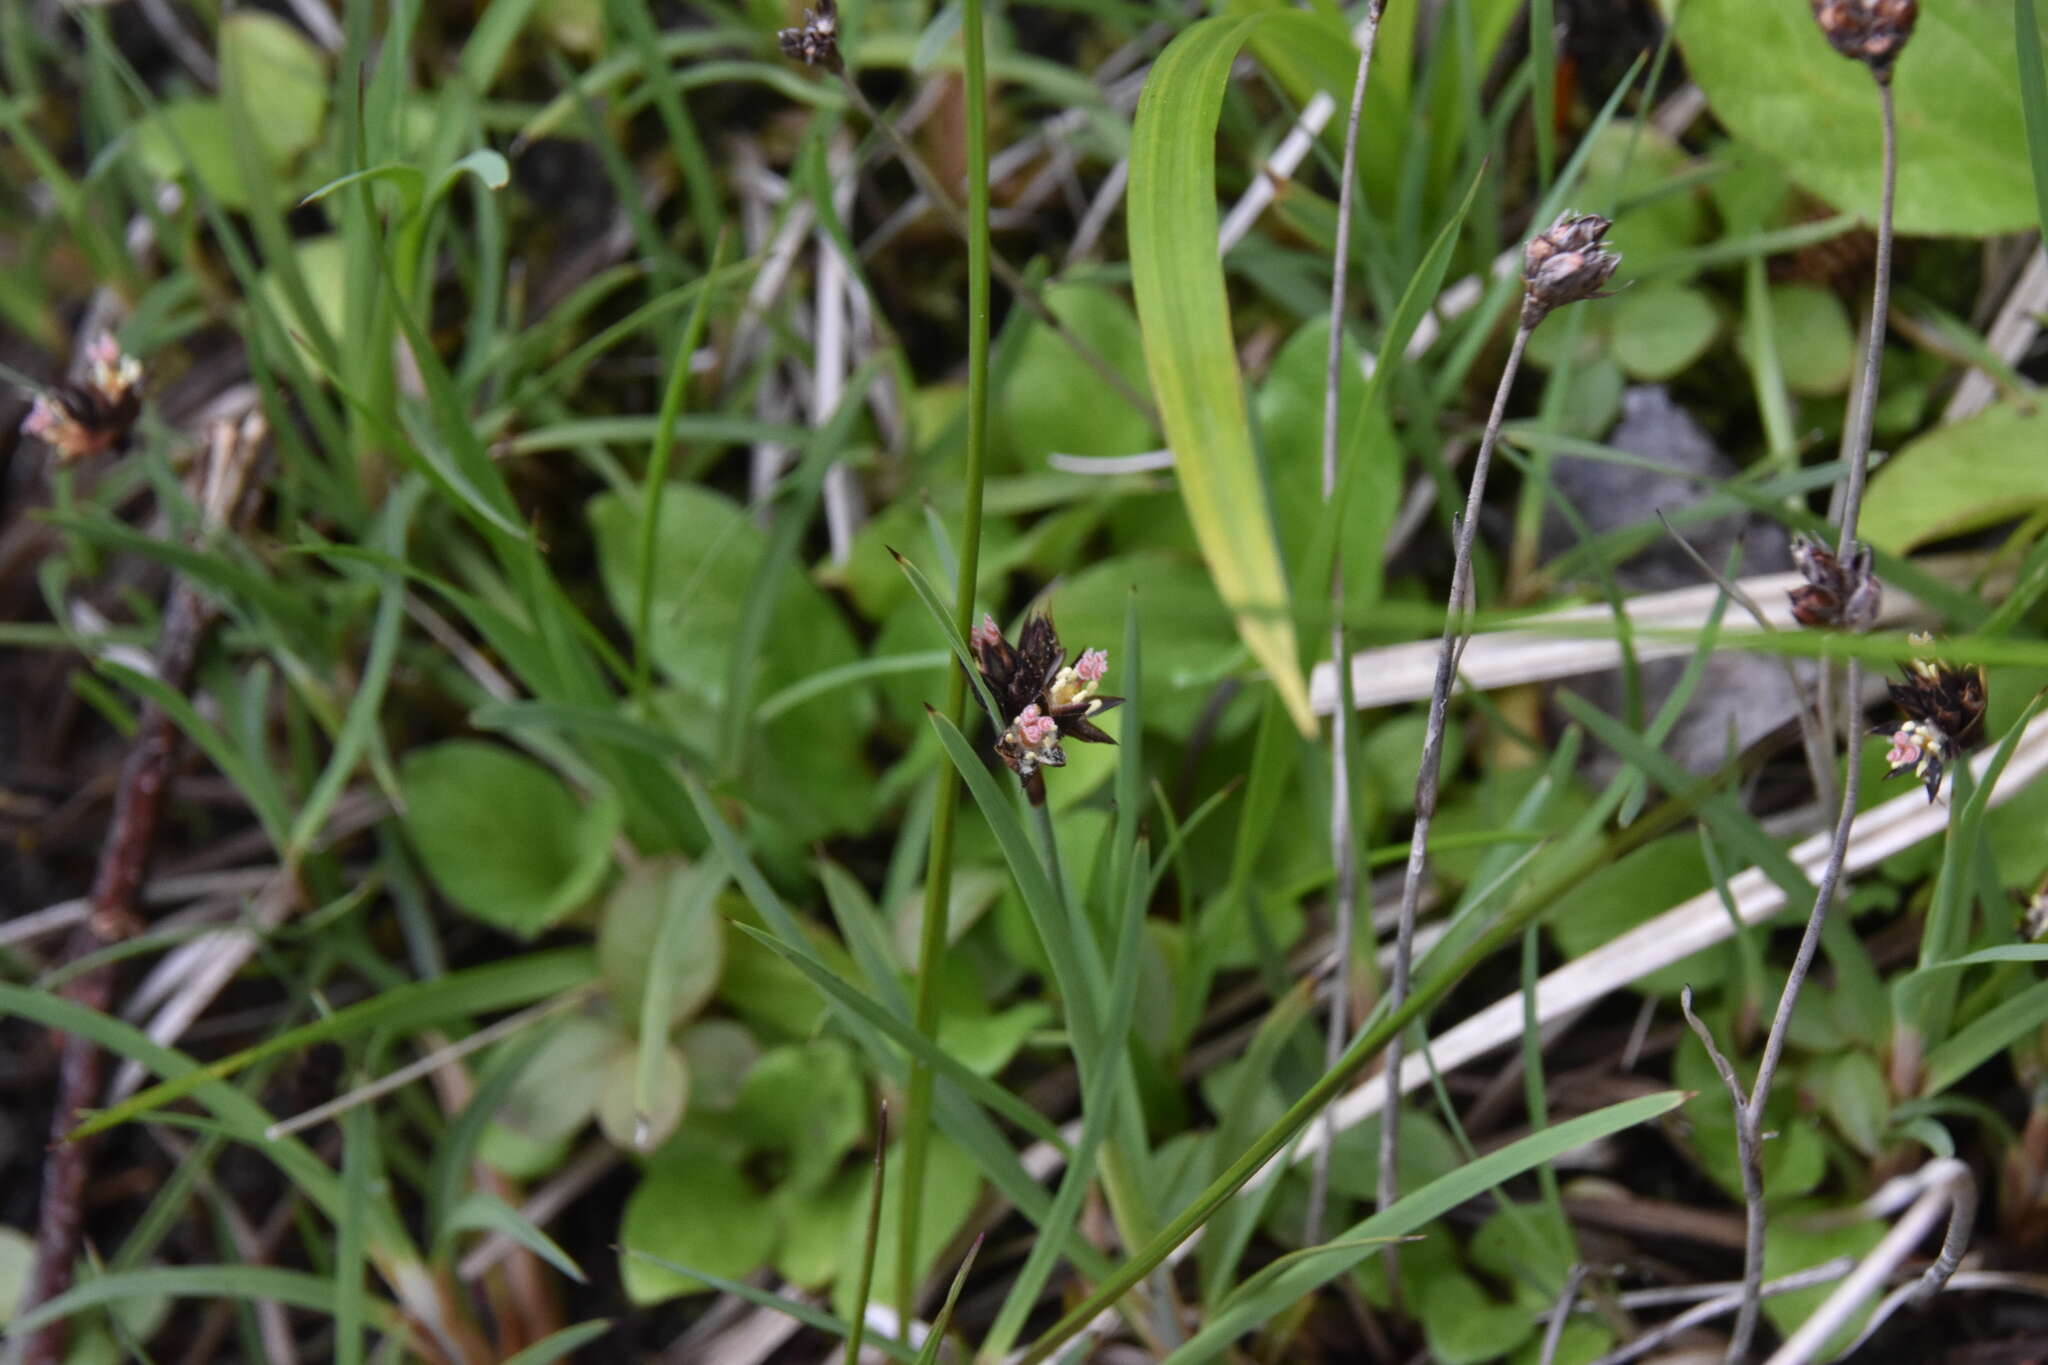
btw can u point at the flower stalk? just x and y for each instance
(1840, 591)
(1564, 264)
(1343, 844)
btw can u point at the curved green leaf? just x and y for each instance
(1184, 319)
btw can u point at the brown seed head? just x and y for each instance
(1837, 592)
(1566, 263)
(816, 43)
(1873, 32)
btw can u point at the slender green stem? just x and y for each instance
(866, 1284)
(672, 398)
(938, 882)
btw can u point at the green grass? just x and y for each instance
(518, 698)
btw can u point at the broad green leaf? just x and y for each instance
(807, 1103)
(651, 909)
(1815, 342)
(17, 1260)
(1772, 79)
(191, 137)
(2033, 74)
(282, 75)
(643, 1094)
(1290, 413)
(718, 1054)
(1660, 329)
(558, 1089)
(502, 836)
(1184, 315)
(322, 264)
(1465, 1327)
(1976, 473)
(805, 769)
(1631, 891)
(1054, 402)
(695, 1207)
(1853, 1093)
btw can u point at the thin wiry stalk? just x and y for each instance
(865, 1285)
(1343, 848)
(1553, 1335)
(1749, 1116)
(1013, 279)
(1428, 774)
(938, 882)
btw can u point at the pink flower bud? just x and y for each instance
(1092, 664)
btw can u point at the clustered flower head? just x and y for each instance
(1041, 697)
(816, 43)
(1943, 707)
(1566, 263)
(1873, 32)
(93, 415)
(1837, 592)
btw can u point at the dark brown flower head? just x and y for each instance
(1836, 592)
(1041, 697)
(1943, 707)
(1566, 263)
(817, 42)
(93, 415)
(1873, 32)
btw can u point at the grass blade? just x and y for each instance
(1263, 1297)
(558, 1345)
(1184, 321)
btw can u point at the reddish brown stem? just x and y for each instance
(123, 859)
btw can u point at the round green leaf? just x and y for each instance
(561, 1085)
(17, 1260)
(631, 928)
(1959, 478)
(1853, 1092)
(1053, 401)
(693, 1208)
(191, 137)
(622, 1119)
(282, 78)
(502, 836)
(1773, 81)
(1816, 342)
(1634, 889)
(1659, 330)
(1464, 1327)
(719, 1053)
(805, 769)
(806, 1102)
